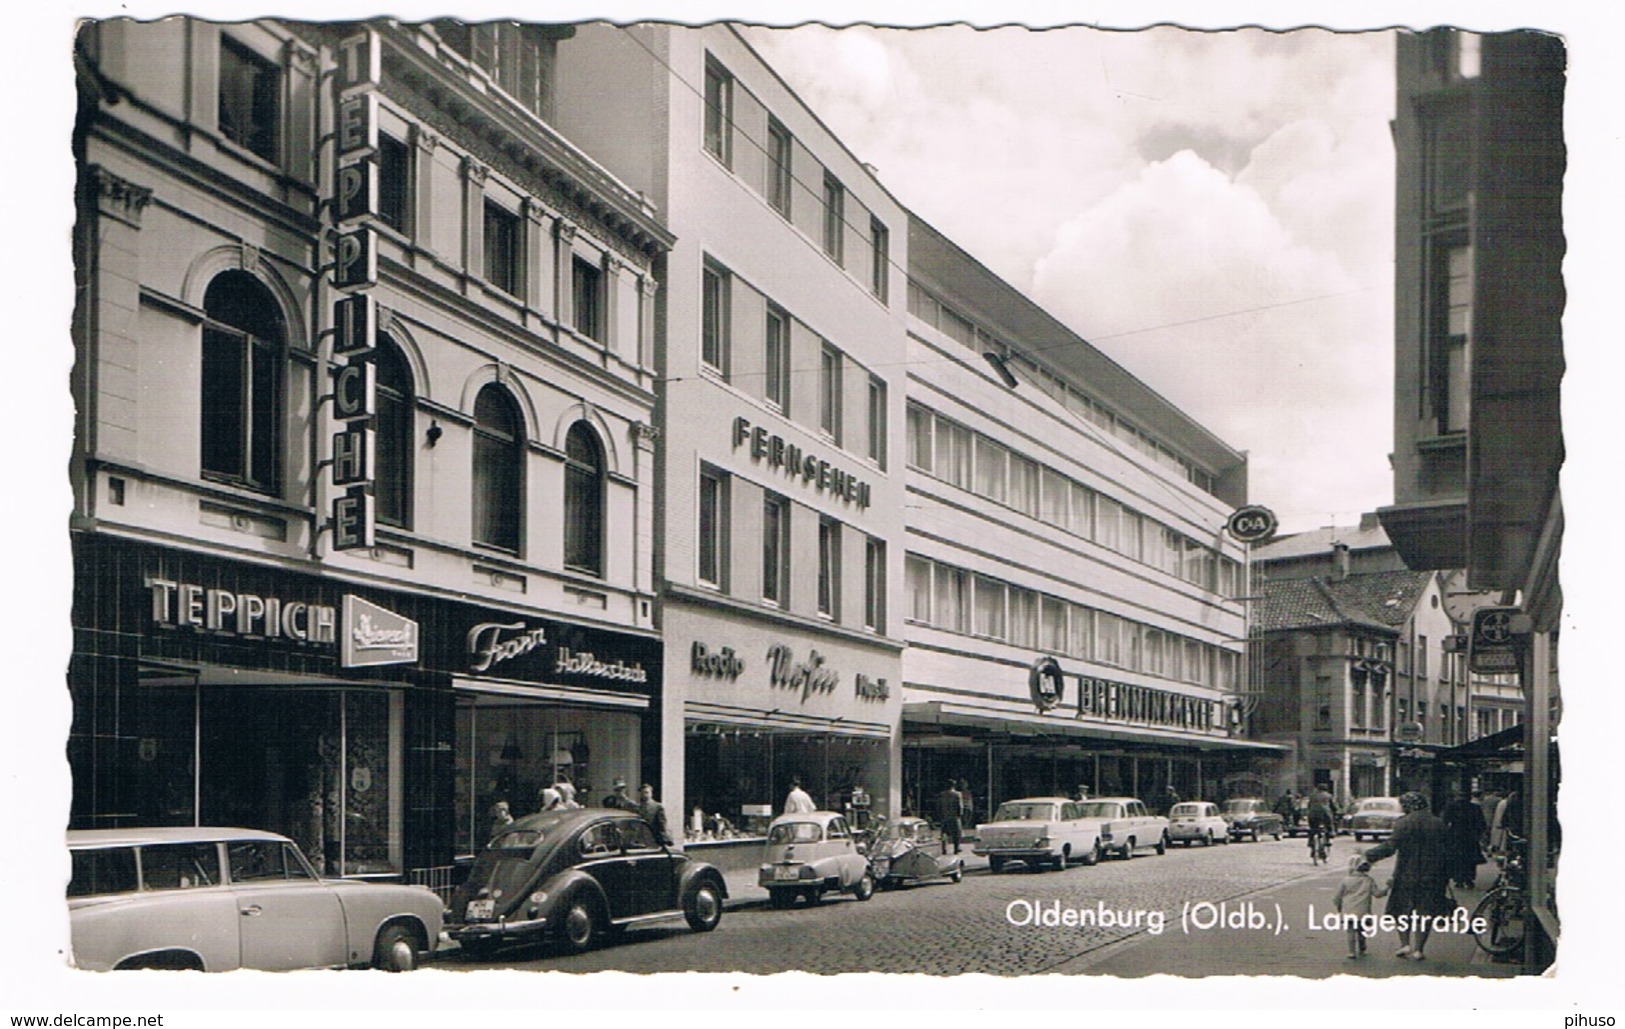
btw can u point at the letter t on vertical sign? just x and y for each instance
(360, 60)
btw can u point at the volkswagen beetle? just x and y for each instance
(578, 875)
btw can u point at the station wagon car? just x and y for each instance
(1039, 832)
(812, 853)
(1250, 818)
(1374, 817)
(1197, 821)
(1124, 824)
(216, 899)
(578, 875)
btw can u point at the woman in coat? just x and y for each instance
(1466, 822)
(1421, 878)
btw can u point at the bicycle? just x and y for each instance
(1505, 909)
(1320, 845)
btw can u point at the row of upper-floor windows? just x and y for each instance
(953, 599)
(244, 417)
(760, 348)
(748, 140)
(938, 313)
(721, 542)
(972, 461)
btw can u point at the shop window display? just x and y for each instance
(737, 777)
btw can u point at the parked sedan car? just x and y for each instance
(810, 854)
(1250, 818)
(909, 850)
(578, 875)
(1374, 817)
(1039, 832)
(1197, 821)
(216, 899)
(1123, 825)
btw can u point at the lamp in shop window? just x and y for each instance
(510, 750)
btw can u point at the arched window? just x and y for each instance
(392, 479)
(243, 358)
(583, 500)
(499, 455)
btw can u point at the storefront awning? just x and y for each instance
(553, 694)
(780, 721)
(1019, 724)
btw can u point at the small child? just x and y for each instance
(1353, 898)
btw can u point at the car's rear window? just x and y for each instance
(1242, 807)
(1100, 809)
(518, 839)
(1187, 810)
(107, 870)
(1016, 812)
(796, 832)
(1378, 805)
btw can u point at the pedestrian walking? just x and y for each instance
(1420, 884)
(653, 812)
(1466, 823)
(1170, 797)
(949, 806)
(1353, 901)
(798, 801)
(618, 798)
(967, 806)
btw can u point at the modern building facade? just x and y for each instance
(1072, 604)
(364, 482)
(1479, 297)
(780, 352)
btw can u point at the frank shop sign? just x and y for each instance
(355, 270)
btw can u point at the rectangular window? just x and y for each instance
(877, 420)
(719, 104)
(874, 584)
(1357, 702)
(919, 438)
(1108, 638)
(829, 568)
(953, 453)
(1024, 485)
(990, 469)
(776, 550)
(829, 392)
(834, 218)
(1080, 631)
(1052, 625)
(879, 259)
(950, 600)
(779, 149)
(1055, 506)
(1454, 314)
(586, 283)
(715, 287)
(502, 248)
(1421, 657)
(394, 183)
(917, 581)
(776, 359)
(250, 99)
(1023, 618)
(713, 546)
(1083, 511)
(990, 608)
(1108, 523)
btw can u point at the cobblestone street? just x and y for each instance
(947, 929)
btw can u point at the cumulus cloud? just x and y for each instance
(1212, 209)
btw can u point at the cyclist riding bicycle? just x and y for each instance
(1322, 817)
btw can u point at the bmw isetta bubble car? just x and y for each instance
(810, 854)
(909, 850)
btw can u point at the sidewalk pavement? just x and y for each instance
(1297, 950)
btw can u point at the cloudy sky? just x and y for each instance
(1212, 209)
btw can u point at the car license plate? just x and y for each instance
(481, 908)
(782, 872)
